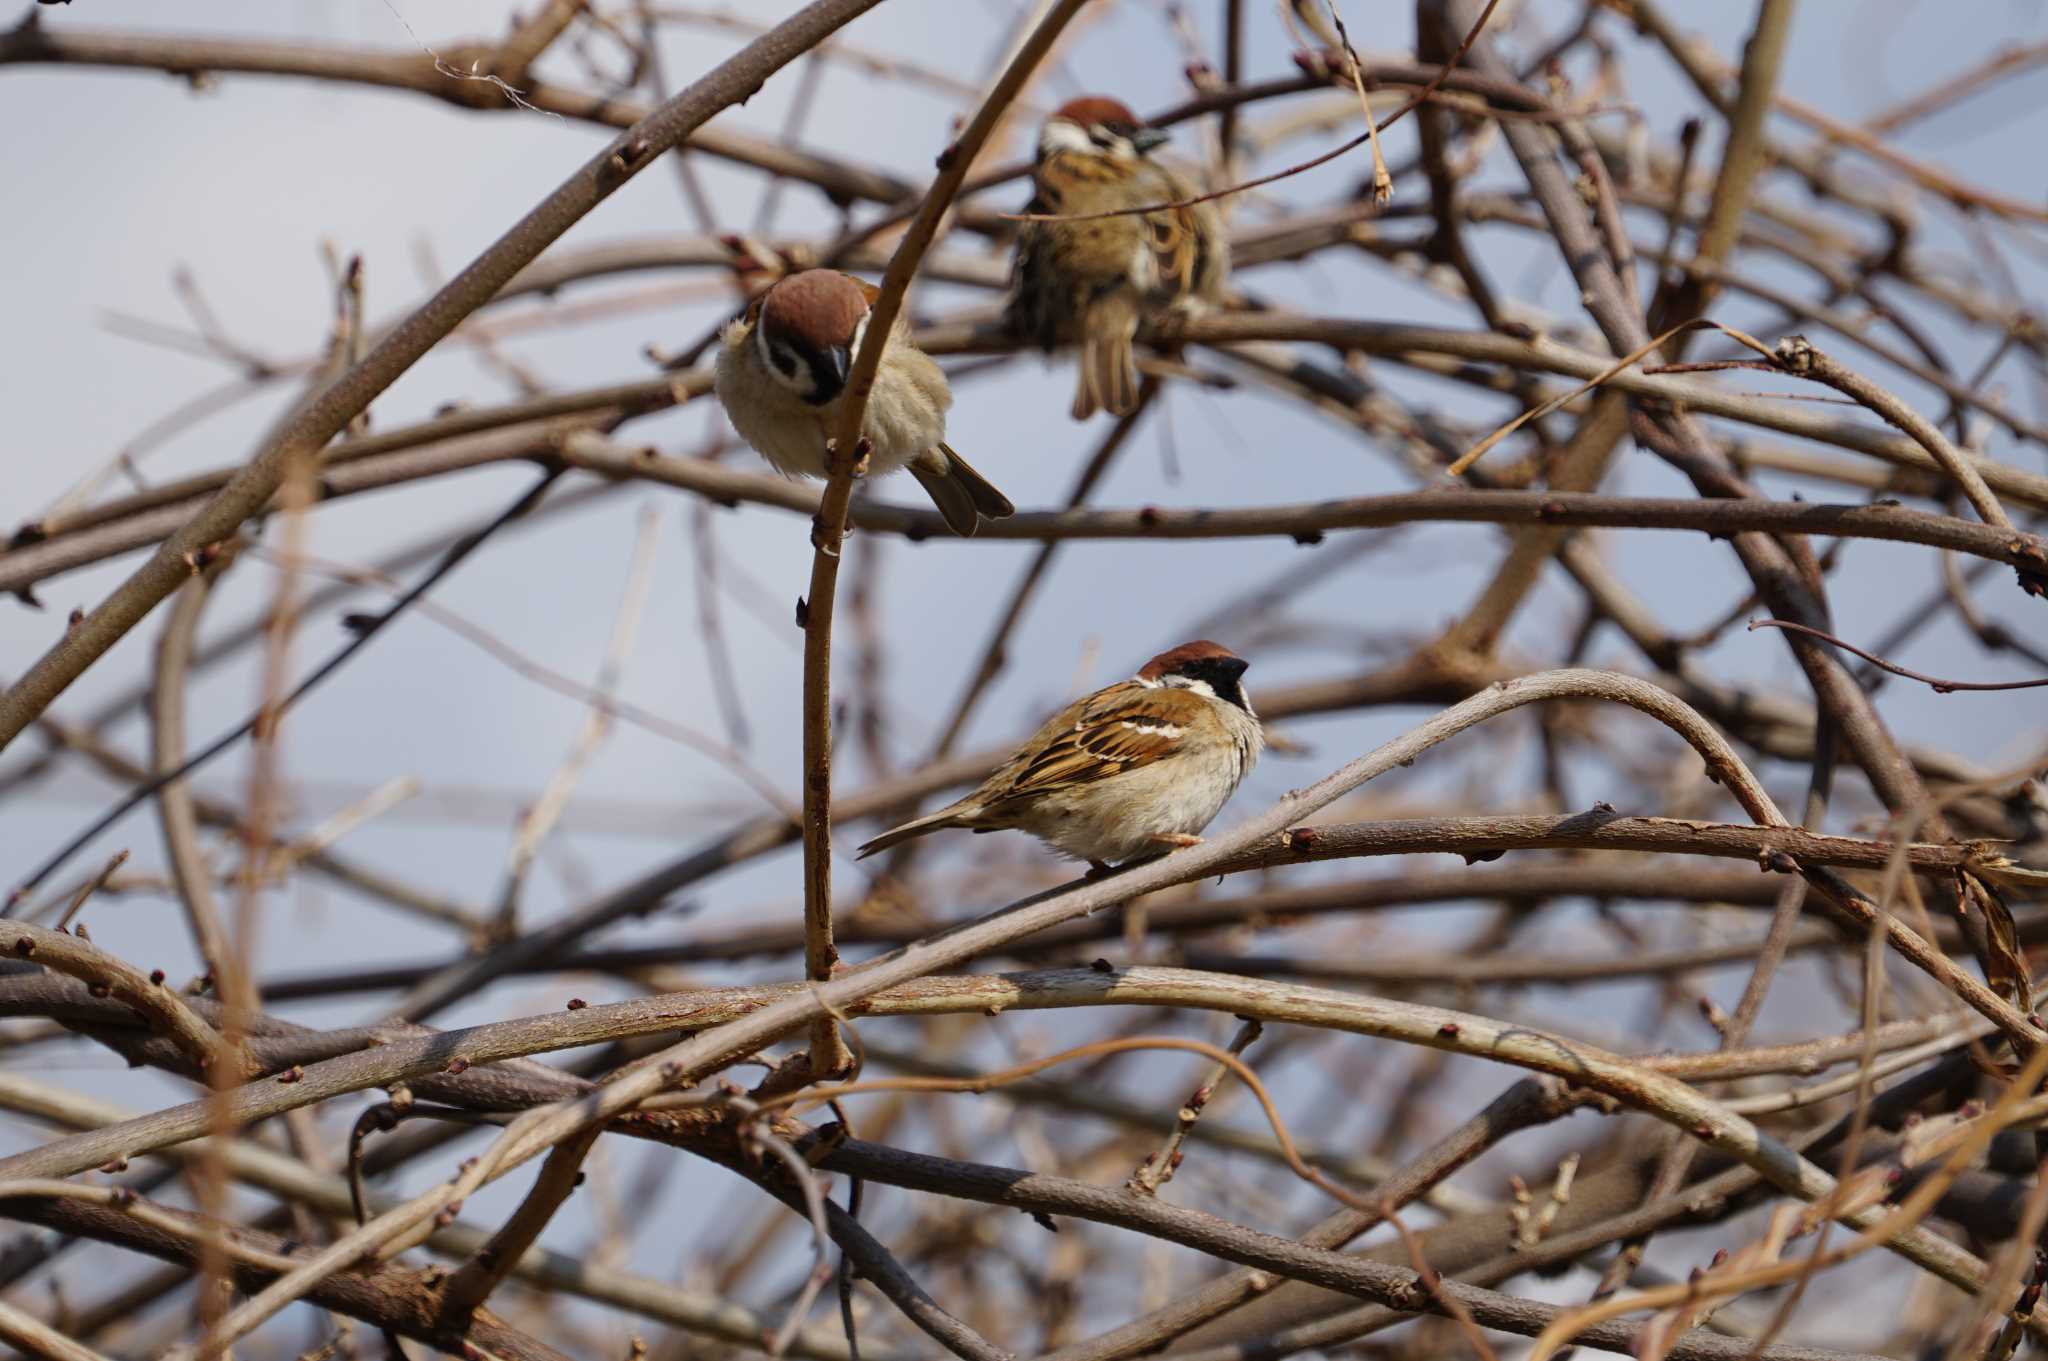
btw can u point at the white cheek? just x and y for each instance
(1060, 135)
(860, 329)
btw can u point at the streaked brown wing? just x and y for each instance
(1175, 235)
(1176, 250)
(1119, 730)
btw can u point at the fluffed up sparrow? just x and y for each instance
(783, 363)
(1131, 770)
(1092, 283)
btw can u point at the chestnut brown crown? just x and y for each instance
(808, 326)
(1190, 657)
(819, 309)
(1098, 111)
(1201, 664)
(1099, 124)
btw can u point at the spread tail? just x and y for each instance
(896, 836)
(962, 495)
(991, 503)
(1108, 380)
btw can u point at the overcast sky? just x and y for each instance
(118, 180)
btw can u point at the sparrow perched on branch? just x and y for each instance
(1093, 282)
(1131, 770)
(783, 364)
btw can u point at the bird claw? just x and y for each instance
(855, 467)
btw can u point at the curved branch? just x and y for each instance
(158, 1003)
(177, 807)
(686, 1062)
(1934, 683)
(1798, 356)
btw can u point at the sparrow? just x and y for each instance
(1092, 283)
(783, 363)
(1134, 769)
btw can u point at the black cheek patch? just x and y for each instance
(825, 380)
(1225, 678)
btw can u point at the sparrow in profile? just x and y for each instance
(1132, 770)
(1092, 283)
(783, 363)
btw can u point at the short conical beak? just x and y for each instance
(1144, 139)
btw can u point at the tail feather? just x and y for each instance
(916, 827)
(949, 496)
(992, 504)
(1108, 380)
(962, 495)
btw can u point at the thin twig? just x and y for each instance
(1382, 182)
(1934, 683)
(369, 629)
(470, 1286)
(92, 885)
(1796, 356)
(1160, 1165)
(546, 810)
(846, 460)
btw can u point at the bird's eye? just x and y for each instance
(783, 359)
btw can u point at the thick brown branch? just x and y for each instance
(388, 1297)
